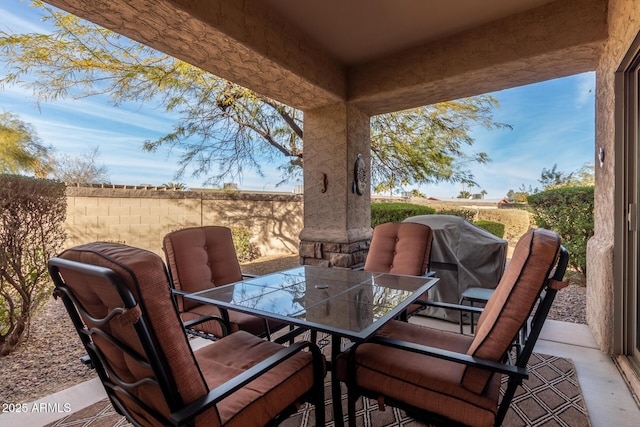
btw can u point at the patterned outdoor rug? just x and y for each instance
(550, 397)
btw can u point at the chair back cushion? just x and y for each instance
(144, 274)
(400, 248)
(512, 302)
(201, 258)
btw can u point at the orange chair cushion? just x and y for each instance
(262, 399)
(193, 373)
(145, 275)
(424, 382)
(201, 258)
(512, 302)
(400, 248)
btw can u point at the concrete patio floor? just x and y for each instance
(607, 396)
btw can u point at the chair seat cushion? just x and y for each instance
(425, 382)
(262, 399)
(238, 321)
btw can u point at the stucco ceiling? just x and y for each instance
(378, 55)
(356, 31)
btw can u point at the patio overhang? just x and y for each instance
(308, 54)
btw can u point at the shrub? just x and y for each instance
(245, 250)
(467, 214)
(495, 228)
(32, 213)
(396, 212)
(569, 212)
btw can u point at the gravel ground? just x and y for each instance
(49, 361)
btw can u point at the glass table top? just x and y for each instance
(346, 302)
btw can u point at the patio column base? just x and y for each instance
(340, 255)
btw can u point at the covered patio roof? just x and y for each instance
(377, 55)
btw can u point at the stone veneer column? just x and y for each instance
(337, 221)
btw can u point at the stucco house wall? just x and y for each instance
(624, 24)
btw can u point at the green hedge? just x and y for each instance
(396, 212)
(569, 212)
(467, 214)
(495, 228)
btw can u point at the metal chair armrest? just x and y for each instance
(465, 308)
(490, 365)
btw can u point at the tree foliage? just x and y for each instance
(32, 213)
(224, 129)
(81, 169)
(464, 194)
(554, 178)
(175, 186)
(521, 195)
(550, 178)
(426, 145)
(20, 148)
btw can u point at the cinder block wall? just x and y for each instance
(141, 217)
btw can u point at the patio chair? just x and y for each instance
(120, 302)
(447, 377)
(401, 248)
(200, 258)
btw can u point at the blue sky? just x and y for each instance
(553, 123)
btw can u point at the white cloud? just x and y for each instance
(19, 99)
(13, 23)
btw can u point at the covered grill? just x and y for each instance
(463, 256)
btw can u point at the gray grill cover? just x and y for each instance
(463, 256)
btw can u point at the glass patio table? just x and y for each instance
(344, 303)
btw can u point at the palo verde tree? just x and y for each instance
(427, 145)
(20, 148)
(222, 128)
(32, 213)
